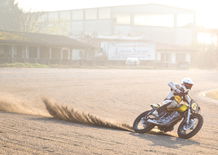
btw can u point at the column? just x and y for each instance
(49, 55)
(27, 52)
(38, 54)
(12, 53)
(132, 16)
(68, 54)
(61, 56)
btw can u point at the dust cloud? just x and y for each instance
(14, 104)
(72, 115)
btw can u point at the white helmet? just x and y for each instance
(187, 82)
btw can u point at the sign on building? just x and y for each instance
(122, 51)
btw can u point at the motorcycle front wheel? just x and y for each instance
(141, 125)
(189, 130)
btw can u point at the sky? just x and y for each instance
(206, 10)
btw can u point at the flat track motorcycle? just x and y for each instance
(188, 112)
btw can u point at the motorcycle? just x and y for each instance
(188, 112)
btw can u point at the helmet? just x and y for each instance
(188, 83)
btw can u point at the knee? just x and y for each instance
(172, 105)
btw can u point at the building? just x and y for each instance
(42, 48)
(167, 32)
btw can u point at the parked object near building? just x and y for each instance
(132, 61)
(157, 55)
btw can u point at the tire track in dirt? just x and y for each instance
(41, 135)
(37, 134)
(51, 138)
(13, 142)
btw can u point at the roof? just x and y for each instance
(41, 39)
(152, 8)
(143, 5)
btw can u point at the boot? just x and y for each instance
(155, 114)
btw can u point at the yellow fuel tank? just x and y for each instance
(182, 108)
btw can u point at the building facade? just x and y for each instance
(42, 48)
(167, 30)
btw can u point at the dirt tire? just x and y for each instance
(138, 119)
(195, 131)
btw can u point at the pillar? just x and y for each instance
(12, 53)
(50, 53)
(38, 55)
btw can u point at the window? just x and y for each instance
(77, 15)
(56, 53)
(43, 18)
(33, 52)
(66, 53)
(165, 57)
(44, 52)
(19, 51)
(104, 13)
(123, 19)
(65, 16)
(184, 20)
(180, 57)
(166, 20)
(53, 16)
(91, 14)
(4, 51)
(207, 38)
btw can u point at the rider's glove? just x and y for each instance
(177, 91)
(180, 92)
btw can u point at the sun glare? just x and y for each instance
(205, 38)
(207, 14)
(206, 10)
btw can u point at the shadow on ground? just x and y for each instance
(164, 139)
(157, 138)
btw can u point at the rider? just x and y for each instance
(176, 89)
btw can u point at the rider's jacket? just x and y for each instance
(176, 89)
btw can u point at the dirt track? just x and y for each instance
(113, 95)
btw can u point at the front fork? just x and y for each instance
(188, 116)
(189, 123)
(151, 111)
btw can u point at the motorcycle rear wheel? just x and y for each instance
(146, 125)
(181, 132)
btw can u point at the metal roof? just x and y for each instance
(41, 39)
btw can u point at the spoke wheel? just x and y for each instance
(141, 125)
(189, 130)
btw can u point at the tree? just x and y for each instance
(12, 18)
(9, 15)
(30, 22)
